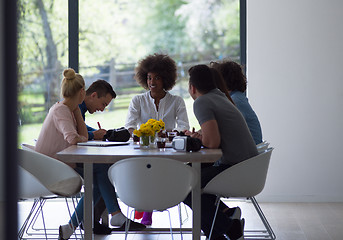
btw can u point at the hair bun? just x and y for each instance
(69, 74)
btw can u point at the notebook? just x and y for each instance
(102, 143)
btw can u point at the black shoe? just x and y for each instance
(81, 226)
(236, 231)
(101, 229)
(234, 213)
(134, 226)
(221, 237)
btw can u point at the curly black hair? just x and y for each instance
(232, 73)
(162, 65)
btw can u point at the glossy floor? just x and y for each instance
(290, 221)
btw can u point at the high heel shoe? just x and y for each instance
(138, 215)
(147, 218)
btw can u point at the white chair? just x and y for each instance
(40, 178)
(27, 147)
(148, 184)
(261, 147)
(245, 179)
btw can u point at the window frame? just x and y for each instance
(73, 36)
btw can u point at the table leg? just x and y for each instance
(196, 204)
(88, 201)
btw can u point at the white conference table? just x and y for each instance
(111, 154)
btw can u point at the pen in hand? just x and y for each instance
(99, 125)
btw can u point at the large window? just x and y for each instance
(113, 36)
(43, 53)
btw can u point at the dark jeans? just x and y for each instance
(100, 206)
(102, 187)
(208, 208)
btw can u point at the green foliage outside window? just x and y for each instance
(113, 36)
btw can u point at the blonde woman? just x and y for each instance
(63, 127)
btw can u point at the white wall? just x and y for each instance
(295, 74)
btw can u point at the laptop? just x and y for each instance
(98, 143)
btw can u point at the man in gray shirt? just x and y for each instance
(222, 126)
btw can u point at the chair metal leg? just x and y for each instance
(215, 215)
(187, 217)
(35, 217)
(127, 223)
(32, 225)
(271, 235)
(170, 225)
(155, 230)
(37, 209)
(77, 218)
(78, 221)
(267, 234)
(30, 222)
(180, 219)
(26, 222)
(41, 210)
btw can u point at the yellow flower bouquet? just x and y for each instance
(147, 131)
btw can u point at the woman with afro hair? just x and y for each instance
(157, 74)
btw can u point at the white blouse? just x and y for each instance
(172, 110)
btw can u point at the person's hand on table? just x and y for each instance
(193, 133)
(187, 133)
(196, 135)
(99, 134)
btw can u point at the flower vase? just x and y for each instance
(148, 142)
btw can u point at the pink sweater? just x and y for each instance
(58, 130)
